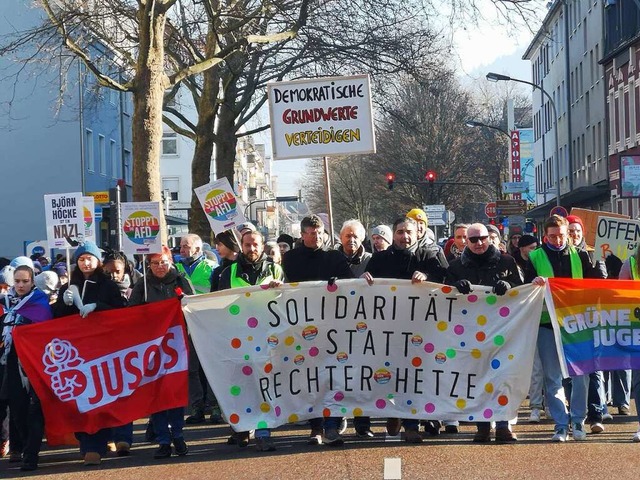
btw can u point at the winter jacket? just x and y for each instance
(250, 273)
(98, 289)
(357, 262)
(485, 269)
(215, 275)
(159, 289)
(401, 264)
(303, 264)
(561, 264)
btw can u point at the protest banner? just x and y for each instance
(65, 219)
(220, 205)
(597, 324)
(120, 369)
(616, 236)
(89, 218)
(321, 117)
(590, 221)
(141, 228)
(393, 349)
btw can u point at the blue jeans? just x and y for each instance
(162, 420)
(597, 397)
(94, 442)
(123, 433)
(554, 392)
(620, 387)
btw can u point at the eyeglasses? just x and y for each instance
(477, 239)
(157, 263)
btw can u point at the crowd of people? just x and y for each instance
(37, 289)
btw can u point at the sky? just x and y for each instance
(487, 48)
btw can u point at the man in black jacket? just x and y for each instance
(307, 262)
(405, 260)
(481, 263)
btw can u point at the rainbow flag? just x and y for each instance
(597, 324)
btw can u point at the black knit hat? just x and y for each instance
(285, 238)
(526, 240)
(228, 240)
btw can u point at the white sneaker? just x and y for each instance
(636, 436)
(343, 426)
(560, 435)
(579, 435)
(597, 427)
(535, 415)
(607, 417)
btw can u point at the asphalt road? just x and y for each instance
(609, 455)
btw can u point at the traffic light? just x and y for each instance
(390, 179)
(430, 176)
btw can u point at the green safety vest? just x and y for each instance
(633, 266)
(201, 276)
(543, 267)
(274, 272)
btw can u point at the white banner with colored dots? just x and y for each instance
(299, 351)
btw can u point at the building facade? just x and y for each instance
(564, 58)
(60, 133)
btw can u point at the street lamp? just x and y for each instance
(474, 123)
(496, 77)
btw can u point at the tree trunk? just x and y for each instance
(150, 83)
(226, 140)
(203, 153)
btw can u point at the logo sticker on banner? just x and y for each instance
(394, 349)
(65, 219)
(88, 210)
(220, 205)
(141, 228)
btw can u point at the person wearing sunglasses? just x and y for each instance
(558, 257)
(481, 263)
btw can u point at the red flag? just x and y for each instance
(106, 370)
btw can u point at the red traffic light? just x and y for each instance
(430, 176)
(390, 179)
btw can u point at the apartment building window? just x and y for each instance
(127, 103)
(88, 150)
(172, 185)
(102, 155)
(114, 96)
(113, 154)
(169, 143)
(128, 167)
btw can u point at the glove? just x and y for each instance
(67, 297)
(501, 287)
(87, 309)
(463, 286)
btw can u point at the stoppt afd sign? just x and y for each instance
(141, 228)
(393, 349)
(321, 117)
(65, 219)
(220, 205)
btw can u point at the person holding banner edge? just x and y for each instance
(164, 282)
(253, 267)
(90, 289)
(557, 257)
(24, 304)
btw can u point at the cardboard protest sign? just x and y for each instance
(141, 228)
(590, 220)
(220, 205)
(321, 117)
(616, 236)
(65, 219)
(392, 349)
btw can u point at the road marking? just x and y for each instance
(392, 469)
